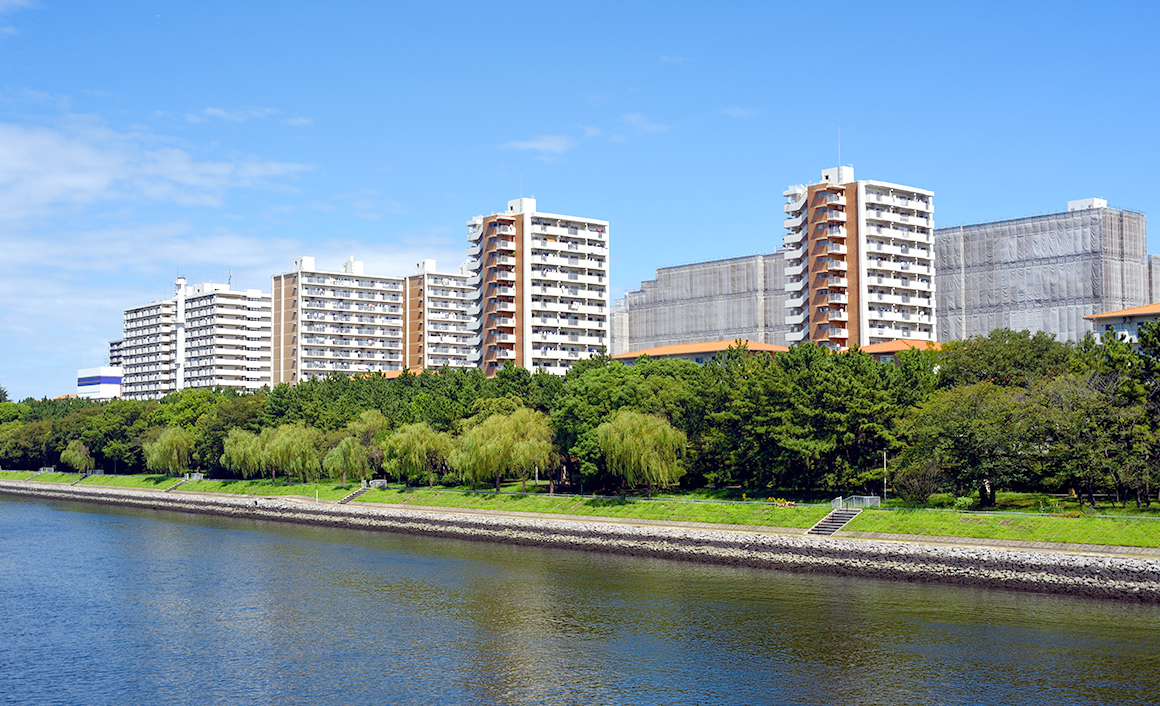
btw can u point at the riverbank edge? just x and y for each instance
(1042, 572)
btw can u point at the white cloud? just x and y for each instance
(298, 121)
(45, 168)
(735, 111)
(640, 123)
(593, 132)
(234, 116)
(544, 144)
(7, 6)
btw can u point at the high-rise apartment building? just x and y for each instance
(720, 300)
(348, 322)
(439, 330)
(541, 282)
(859, 261)
(115, 353)
(1043, 273)
(206, 335)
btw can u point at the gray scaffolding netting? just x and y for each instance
(742, 297)
(1043, 273)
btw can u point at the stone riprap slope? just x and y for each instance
(1049, 572)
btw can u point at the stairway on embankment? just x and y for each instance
(833, 522)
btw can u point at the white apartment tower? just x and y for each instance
(348, 322)
(206, 335)
(859, 262)
(541, 282)
(440, 330)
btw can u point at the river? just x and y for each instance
(104, 605)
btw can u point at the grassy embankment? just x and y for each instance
(153, 482)
(14, 475)
(1118, 531)
(56, 477)
(759, 514)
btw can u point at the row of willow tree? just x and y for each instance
(1007, 411)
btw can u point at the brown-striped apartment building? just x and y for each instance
(859, 262)
(541, 288)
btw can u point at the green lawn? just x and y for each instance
(14, 475)
(326, 491)
(674, 510)
(139, 481)
(57, 477)
(1126, 532)
(1042, 503)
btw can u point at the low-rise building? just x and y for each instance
(102, 383)
(699, 353)
(1125, 322)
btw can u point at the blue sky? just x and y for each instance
(143, 139)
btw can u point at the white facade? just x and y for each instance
(103, 383)
(348, 322)
(542, 293)
(440, 329)
(859, 262)
(207, 335)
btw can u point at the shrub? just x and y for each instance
(964, 503)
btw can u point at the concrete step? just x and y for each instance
(177, 485)
(352, 496)
(833, 522)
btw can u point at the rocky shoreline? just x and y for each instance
(1045, 572)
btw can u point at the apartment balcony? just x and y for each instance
(833, 282)
(836, 333)
(836, 249)
(836, 298)
(795, 254)
(795, 302)
(504, 321)
(795, 319)
(504, 306)
(837, 265)
(833, 200)
(504, 291)
(505, 245)
(796, 270)
(504, 260)
(795, 285)
(834, 217)
(795, 336)
(505, 276)
(793, 238)
(794, 221)
(796, 205)
(505, 353)
(834, 232)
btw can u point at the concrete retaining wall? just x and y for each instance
(1048, 572)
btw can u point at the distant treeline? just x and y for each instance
(1007, 411)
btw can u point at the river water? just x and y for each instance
(113, 606)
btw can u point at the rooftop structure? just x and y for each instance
(102, 383)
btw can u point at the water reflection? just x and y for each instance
(110, 606)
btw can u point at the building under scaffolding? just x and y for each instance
(737, 298)
(1043, 273)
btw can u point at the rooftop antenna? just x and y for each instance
(230, 279)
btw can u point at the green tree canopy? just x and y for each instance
(642, 448)
(170, 452)
(77, 456)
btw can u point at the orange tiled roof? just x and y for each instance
(1133, 311)
(691, 348)
(898, 345)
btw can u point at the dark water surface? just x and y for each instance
(110, 606)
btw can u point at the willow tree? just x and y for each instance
(170, 453)
(476, 454)
(294, 451)
(243, 453)
(348, 456)
(417, 449)
(642, 448)
(77, 455)
(527, 439)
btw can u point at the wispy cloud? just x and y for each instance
(233, 116)
(639, 122)
(544, 144)
(593, 132)
(8, 6)
(298, 121)
(736, 111)
(42, 169)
